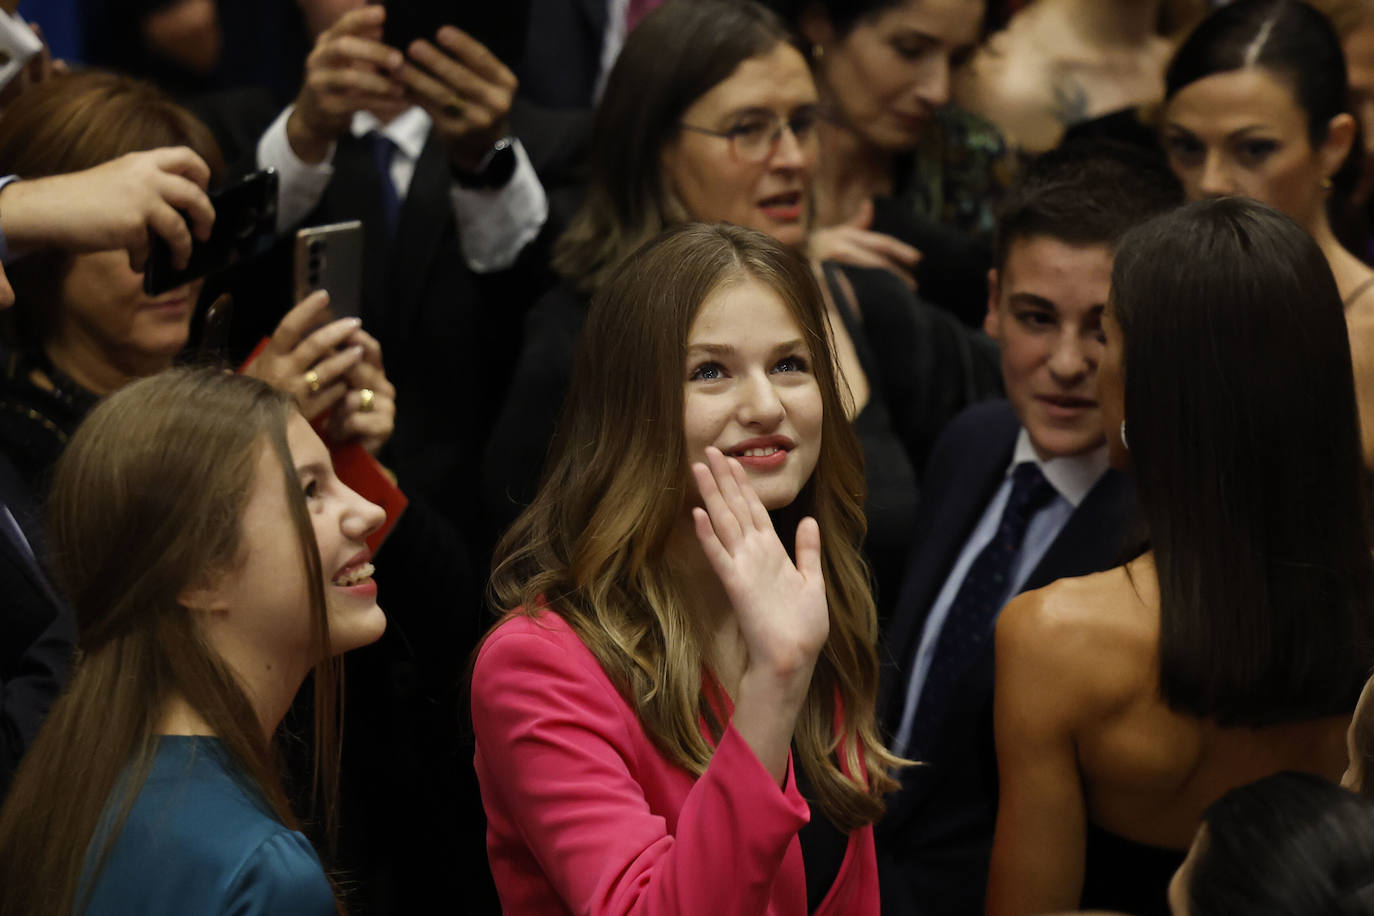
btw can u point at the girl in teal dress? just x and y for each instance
(212, 559)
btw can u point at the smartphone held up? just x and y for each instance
(245, 226)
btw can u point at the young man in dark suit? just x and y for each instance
(1017, 494)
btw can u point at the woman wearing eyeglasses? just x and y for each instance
(710, 115)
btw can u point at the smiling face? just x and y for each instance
(1045, 311)
(1243, 132)
(750, 392)
(261, 606)
(891, 72)
(103, 314)
(716, 185)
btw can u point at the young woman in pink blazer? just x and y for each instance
(677, 713)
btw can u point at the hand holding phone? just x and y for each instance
(114, 205)
(331, 258)
(466, 90)
(349, 70)
(245, 224)
(499, 27)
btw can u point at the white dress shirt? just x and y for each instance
(1072, 478)
(494, 226)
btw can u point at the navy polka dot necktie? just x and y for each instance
(973, 613)
(382, 150)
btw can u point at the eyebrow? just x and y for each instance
(735, 114)
(1031, 299)
(310, 469)
(719, 349)
(1230, 135)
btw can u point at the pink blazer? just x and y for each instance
(585, 815)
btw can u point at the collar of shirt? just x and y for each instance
(408, 130)
(1072, 476)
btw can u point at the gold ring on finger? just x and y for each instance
(312, 378)
(365, 398)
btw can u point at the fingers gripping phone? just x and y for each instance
(245, 225)
(331, 258)
(499, 26)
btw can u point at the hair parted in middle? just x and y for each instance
(678, 53)
(591, 546)
(148, 502)
(1286, 38)
(1245, 450)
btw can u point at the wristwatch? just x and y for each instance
(494, 171)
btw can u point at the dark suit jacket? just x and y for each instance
(563, 52)
(934, 843)
(37, 632)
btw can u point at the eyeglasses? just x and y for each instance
(755, 137)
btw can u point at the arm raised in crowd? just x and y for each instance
(113, 205)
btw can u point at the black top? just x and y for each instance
(823, 844)
(1125, 876)
(37, 630)
(36, 421)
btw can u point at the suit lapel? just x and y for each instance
(950, 510)
(356, 194)
(1093, 537)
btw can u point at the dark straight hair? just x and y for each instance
(1291, 843)
(1244, 443)
(1290, 40)
(1086, 192)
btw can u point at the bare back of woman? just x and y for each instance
(1127, 702)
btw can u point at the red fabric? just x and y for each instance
(636, 12)
(585, 815)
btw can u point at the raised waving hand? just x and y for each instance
(780, 605)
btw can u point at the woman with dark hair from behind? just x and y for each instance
(213, 561)
(1235, 646)
(1291, 844)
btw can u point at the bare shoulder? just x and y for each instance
(1090, 639)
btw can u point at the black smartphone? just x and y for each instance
(245, 225)
(500, 26)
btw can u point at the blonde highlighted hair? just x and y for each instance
(591, 546)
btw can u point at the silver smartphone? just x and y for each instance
(18, 46)
(331, 258)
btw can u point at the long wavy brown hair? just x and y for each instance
(147, 503)
(591, 547)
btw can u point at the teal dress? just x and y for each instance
(201, 840)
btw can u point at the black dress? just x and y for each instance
(1124, 876)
